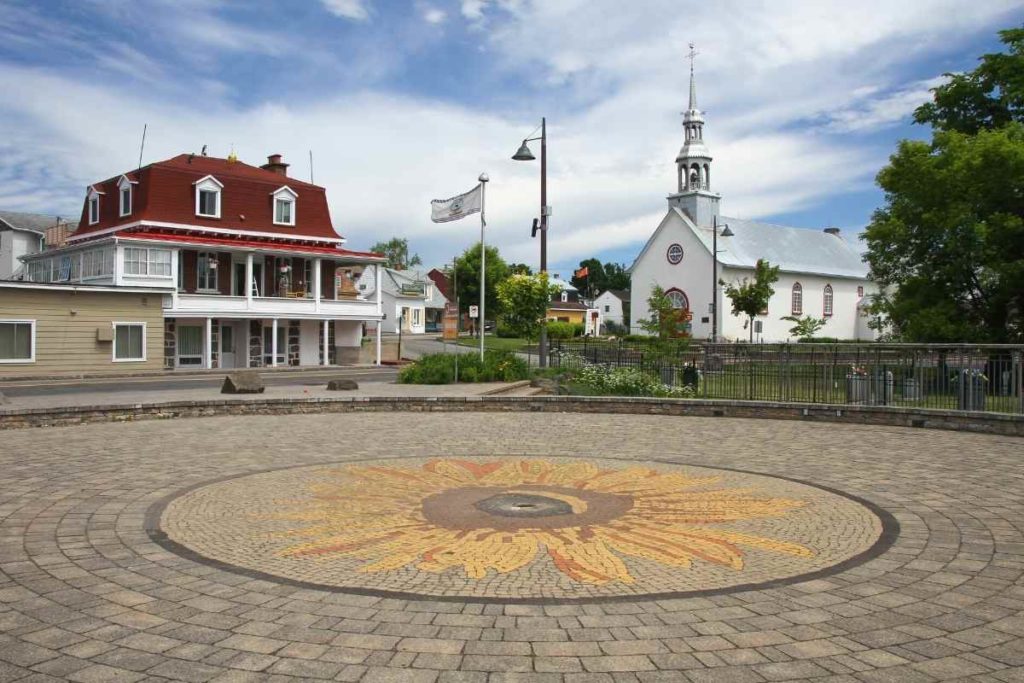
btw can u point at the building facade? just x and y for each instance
(613, 305)
(250, 268)
(412, 301)
(567, 306)
(822, 273)
(22, 234)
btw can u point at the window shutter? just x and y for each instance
(189, 271)
(224, 273)
(327, 290)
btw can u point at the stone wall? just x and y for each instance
(991, 423)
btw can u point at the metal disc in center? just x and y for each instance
(523, 505)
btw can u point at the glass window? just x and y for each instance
(159, 261)
(126, 200)
(283, 211)
(190, 345)
(860, 291)
(17, 341)
(134, 261)
(94, 210)
(227, 339)
(607, 309)
(208, 202)
(415, 316)
(798, 299)
(678, 299)
(129, 341)
(282, 343)
(206, 271)
(827, 301)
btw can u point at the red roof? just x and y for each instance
(243, 243)
(165, 192)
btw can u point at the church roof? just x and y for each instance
(794, 250)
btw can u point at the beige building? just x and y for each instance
(53, 330)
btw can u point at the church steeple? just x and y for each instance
(693, 163)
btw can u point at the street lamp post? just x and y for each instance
(714, 275)
(524, 154)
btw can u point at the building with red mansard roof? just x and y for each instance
(251, 269)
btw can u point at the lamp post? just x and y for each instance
(714, 275)
(524, 154)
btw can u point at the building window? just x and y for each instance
(147, 262)
(190, 345)
(827, 301)
(206, 271)
(284, 205)
(607, 309)
(129, 342)
(282, 344)
(674, 254)
(678, 299)
(860, 290)
(17, 341)
(208, 191)
(94, 210)
(798, 299)
(415, 316)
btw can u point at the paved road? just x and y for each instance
(137, 384)
(87, 595)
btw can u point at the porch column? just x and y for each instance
(273, 342)
(248, 280)
(327, 337)
(208, 359)
(378, 342)
(317, 283)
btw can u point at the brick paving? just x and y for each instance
(87, 595)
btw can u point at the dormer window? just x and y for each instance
(93, 202)
(284, 205)
(208, 192)
(124, 187)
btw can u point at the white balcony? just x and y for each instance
(219, 306)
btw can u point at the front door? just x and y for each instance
(406, 319)
(227, 346)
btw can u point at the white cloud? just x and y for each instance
(347, 9)
(473, 9)
(873, 111)
(433, 15)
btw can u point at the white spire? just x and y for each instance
(693, 163)
(693, 84)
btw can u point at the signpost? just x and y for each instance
(451, 323)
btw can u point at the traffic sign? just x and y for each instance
(474, 311)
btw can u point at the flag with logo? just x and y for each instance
(459, 206)
(582, 272)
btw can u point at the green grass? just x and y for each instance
(496, 343)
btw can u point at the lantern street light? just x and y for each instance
(524, 154)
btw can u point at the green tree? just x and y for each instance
(519, 269)
(524, 302)
(805, 327)
(593, 281)
(615, 277)
(750, 297)
(467, 269)
(396, 250)
(947, 248)
(666, 321)
(989, 97)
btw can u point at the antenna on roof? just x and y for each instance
(311, 167)
(203, 153)
(143, 145)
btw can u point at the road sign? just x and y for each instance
(474, 311)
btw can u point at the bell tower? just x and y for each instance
(693, 164)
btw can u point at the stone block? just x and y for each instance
(342, 385)
(243, 382)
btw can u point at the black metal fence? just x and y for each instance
(953, 376)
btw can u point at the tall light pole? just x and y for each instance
(524, 154)
(714, 275)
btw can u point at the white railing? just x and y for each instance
(260, 306)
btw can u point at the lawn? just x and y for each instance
(495, 343)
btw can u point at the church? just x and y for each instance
(821, 272)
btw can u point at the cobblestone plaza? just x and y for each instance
(509, 547)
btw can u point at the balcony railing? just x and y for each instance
(218, 304)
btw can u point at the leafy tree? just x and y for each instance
(805, 327)
(947, 248)
(750, 297)
(593, 281)
(989, 97)
(615, 277)
(396, 250)
(524, 302)
(666, 321)
(519, 269)
(467, 269)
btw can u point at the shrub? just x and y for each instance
(439, 368)
(615, 329)
(504, 331)
(557, 330)
(578, 329)
(600, 380)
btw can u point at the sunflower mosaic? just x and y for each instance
(520, 527)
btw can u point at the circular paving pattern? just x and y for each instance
(88, 595)
(520, 528)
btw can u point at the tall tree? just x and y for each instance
(615, 276)
(519, 269)
(750, 297)
(947, 248)
(396, 250)
(592, 281)
(467, 269)
(524, 302)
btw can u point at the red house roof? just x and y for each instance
(165, 192)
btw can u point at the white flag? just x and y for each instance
(459, 206)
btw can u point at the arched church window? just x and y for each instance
(678, 298)
(827, 302)
(798, 299)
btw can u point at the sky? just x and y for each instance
(401, 102)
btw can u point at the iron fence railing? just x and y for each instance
(946, 376)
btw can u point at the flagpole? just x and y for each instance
(483, 260)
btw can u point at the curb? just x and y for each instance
(986, 423)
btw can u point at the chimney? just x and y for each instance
(832, 231)
(275, 164)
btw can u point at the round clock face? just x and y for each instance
(674, 254)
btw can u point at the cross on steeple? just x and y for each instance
(692, 55)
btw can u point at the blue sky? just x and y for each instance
(402, 102)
